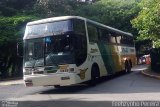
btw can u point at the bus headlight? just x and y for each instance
(71, 70)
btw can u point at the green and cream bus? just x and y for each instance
(68, 50)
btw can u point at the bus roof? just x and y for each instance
(109, 28)
(48, 20)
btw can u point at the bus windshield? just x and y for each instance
(69, 46)
(59, 50)
(48, 51)
(33, 54)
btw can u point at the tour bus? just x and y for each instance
(68, 50)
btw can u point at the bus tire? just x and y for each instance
(130, 63)
(95, 75)
(57, 86)
(127, 67)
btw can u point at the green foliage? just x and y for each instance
(148, 21)
(50, 8)
(11, 27)
(14, 14)
(115, 13)
(13, 7)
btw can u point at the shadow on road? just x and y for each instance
(74, 89)
(121, 83)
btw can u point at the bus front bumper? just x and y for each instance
(51, 80)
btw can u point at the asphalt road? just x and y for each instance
(134, 87)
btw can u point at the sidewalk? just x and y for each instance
(11, 81)
(145, 70)
(151, 74)
(143, 67)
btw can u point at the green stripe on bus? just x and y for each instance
(105, 51)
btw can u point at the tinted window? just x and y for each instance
(48, 29)
(80, 49)
(127, 40)
(104, 35)
(79, 27)
(59, 50)
(92, 32)
(112, 37)
(118, 38)
(34, 53)
(80, 41)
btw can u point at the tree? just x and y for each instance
(115, 13)
(148, 21)
(11, 29)
(14, 14)
(13, 7)
(50, 8)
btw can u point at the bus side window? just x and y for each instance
(104, 35)
(92, 33)
(122, 39)
(131, 43)
(80, 49)
(118, 39)
(112, 37)
(79, 27)
(100, 34)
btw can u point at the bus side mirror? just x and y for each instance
(19, 49)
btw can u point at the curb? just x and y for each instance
(150, 75)
(10, 79)
(12, 82)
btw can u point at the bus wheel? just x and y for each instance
(95, 75)
(127, 67)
